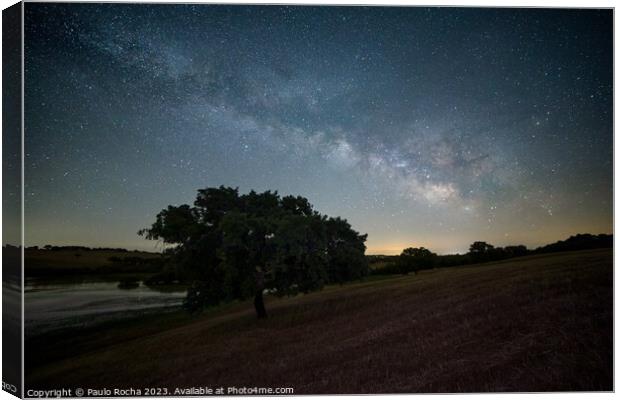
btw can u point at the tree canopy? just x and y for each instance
(415, 259)
(234, 246)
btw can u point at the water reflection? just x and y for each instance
(53, 305)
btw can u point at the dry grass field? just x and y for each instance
(538, 323)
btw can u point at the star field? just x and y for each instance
(428, 127)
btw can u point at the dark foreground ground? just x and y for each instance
(539, 323)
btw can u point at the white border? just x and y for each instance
(478, 3)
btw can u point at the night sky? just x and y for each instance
(428, 127)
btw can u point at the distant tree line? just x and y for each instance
(49, 247)
(584, 241)
(412, 260)
(137, 261)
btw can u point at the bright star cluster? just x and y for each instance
(428, 127)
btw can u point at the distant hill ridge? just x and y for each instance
(582, 241)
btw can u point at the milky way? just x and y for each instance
(421, 126)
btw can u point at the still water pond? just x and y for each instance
(50, 306)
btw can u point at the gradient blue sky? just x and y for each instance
(426, 127)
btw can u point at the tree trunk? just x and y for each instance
(259, 305)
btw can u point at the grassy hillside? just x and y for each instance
(538, 323)
(63, 262)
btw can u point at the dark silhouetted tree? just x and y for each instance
(345, 248)
(415, 259)
(515, 251)
(235, 246)
(481, 251)
(582, 241)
